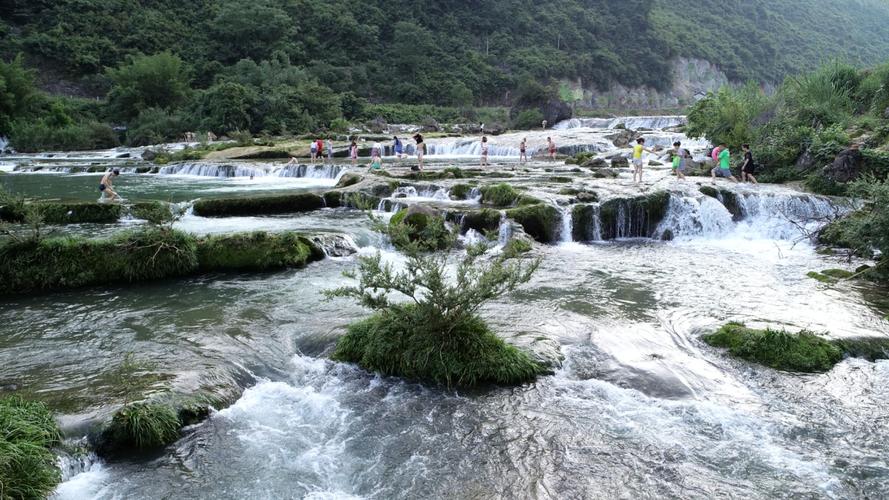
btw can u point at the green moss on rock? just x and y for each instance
(541, 221)
(156, 212)
(799, 352)
(636, 217)
(258, 251)
(264, 205)
(141, 427)
(500, 195)
(471, 355)
(28, 432)
(60, 263)
(483, 220)
(65, 213)
(460, 191)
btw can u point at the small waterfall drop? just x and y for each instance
(505, 231)
(630, 122)
(567, 228)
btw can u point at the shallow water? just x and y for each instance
(639, 408)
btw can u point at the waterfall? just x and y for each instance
(475, 194)
(505, 231)
(204, 169)
(688, 216)
(567, 228)
(630, 122)
(4, 144)
(596, 223)
(758, 215)
(471, 147)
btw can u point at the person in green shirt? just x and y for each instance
(724, 168)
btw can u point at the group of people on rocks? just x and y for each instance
(680, 159)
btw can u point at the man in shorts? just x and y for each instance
(724, 168)
(105, 185)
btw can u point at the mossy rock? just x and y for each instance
(361, 201)
(258, 251)
(469, 355)
(65, 213)
(797, 352)
(582, 222)
(71, 262)
(483, 220)
(349, 179)
(710, 191)
(560, 179)
(264, 205)
(821, 277)
(540, 221)
(500, 195)
(869, 348)
(333, 199)
(141, 427)
(156, 212)
(28, 433)
(641, 216)
(460, 191)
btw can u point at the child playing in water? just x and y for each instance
(551, 146)
(638, 149)
(523, 148)
(353, 152)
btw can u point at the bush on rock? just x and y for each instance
(437, 335)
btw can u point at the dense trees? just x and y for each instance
(295, 65)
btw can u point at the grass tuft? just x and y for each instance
(471, 355)
(798, 352)
(27, 466)
(143, 427)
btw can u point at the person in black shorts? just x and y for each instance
(748, 168)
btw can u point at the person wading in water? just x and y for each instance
(106, 185)
(421, 149)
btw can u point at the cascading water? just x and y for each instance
(504, 234)
(630, 122)
(761, 216)
(215, 170)
(567, 227)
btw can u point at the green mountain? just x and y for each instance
(449, 52)
(161, 67)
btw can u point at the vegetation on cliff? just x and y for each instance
(277, 66)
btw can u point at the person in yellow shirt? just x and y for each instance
(638, 149)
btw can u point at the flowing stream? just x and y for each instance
(639, 407)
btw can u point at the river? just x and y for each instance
(639, 407)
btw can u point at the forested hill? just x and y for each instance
(448, 52)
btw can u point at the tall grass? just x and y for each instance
(27, 433)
